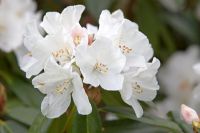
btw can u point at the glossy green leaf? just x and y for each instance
(26, 92)
(154, 121)
(87, 123)
(58, 124)
(40, 124)
(25, 115)
(17, 127)
(23, 89)
(130, 126)
(4, 128)
(112, 98)
(174, 116)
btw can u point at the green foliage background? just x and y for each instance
(168, 31)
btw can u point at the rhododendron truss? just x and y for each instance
(71, 59)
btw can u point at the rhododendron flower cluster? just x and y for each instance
(116, 56)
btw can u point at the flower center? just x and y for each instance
(123, 47)
(77, 40)
(137, 88)
(60, 88)
(62, 56)
(100, 67)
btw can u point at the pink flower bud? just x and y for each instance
(189, 115)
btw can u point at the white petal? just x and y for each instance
(80, 97)
(129, 36)
(149, 83)
(91, 29)
(20, 52)
(109, 23)
(27, 62)
(135, 61)
(152, 68)
(126, 91)
(136, 106)
(35, 68)
(145, 95)
(86, 63)
(51, 22)
(47, 82)
(53, 74)
(71, 15)
(91, 78)
(112, 82)
(108, 54)
(118, 14)
(32, 35)
(54, 105)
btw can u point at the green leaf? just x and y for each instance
(151, 24)
(174, 116)
(112, 98)
(96, 6)
(4, 127)
(130, 126)
(148, 21)
(128, 113)
(58, 124)
(184, 25)
(25, 115)
(87, 123)
(40, 124)
(24, 91)
(17, 127)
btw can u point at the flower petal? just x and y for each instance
(145, 95)
(71, 15)
(54, 105)
(80, 97)
(126, 91)
(51, 22)
(136, 106)
(111, 82)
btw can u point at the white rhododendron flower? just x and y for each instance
(101, 64)
(189, 114)
(125, 35)
(113, 57)
(59, 84)
(67, 22)
(179, 82)
(142, 86)
(61, 39)
(14, 15)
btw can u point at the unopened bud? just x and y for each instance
(189, 115)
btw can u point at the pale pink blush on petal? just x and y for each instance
(77, 34)
(90, 39)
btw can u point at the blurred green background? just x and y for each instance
(170, 25)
